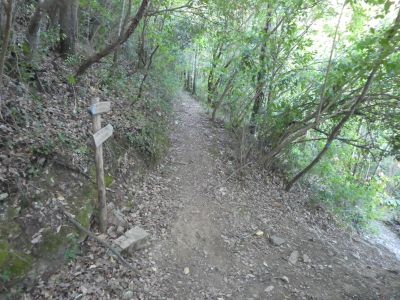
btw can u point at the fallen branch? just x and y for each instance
(92, 235)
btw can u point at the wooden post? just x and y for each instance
(95, 110)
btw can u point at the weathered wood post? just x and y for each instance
(100, 135)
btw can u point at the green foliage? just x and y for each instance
(151, 140)
(13, 264)
(71, 80)
(72, 60)
(73, 249)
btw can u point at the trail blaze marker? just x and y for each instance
(99, 137)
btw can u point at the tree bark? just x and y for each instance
(259, 93)
(221, 98)
(33, 32)
(336, 130)
(8, 7)
(147, 71)
(194, 73)
(54, 13)
(210, 80)
(68, 26)
(121, 26)
(108, 49)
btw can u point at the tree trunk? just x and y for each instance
(211, 85)
(53, 12)
(33, 32)
(259, 93)
(221, 98)
(8, 7)
(120, 27)
(141, 52)
(68, 26)
(194, 73)
(336, 130)
(147, 71)
(111, 47)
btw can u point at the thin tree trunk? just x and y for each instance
(120, 25)
(33, 32)
(336, 130)
(259, 95)
(221, 98)
(141, 45)
(122, 39)
(210, 80)
(194, 72)
(147, 71)
(8, 6)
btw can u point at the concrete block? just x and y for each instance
(132, 240)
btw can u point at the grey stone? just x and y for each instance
(128, 295)
(276, 240)
(269, 289)
(285, 279)
(3, 196)
(294, 257)
(116, 217)
(133, 239)
(306, 259)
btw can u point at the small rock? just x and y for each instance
(3, 196)
(356, 255)
(276, 240)
(293, 257)
(41, 161)
(134, 239)
(186, 271)
(128, 295)
(120, 229)
(306, 259)
(285, 279)
(259, 233)
(269, 289)
(116, 217)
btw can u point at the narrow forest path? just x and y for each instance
(203, 236)
(209, 249)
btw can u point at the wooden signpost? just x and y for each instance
(100, 135)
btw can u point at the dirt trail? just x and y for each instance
(213, 233)
(203, 236)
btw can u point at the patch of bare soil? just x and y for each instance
(213, 239)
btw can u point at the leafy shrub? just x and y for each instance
(151, 140)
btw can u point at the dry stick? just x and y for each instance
(92, 235)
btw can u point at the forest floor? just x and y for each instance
(213, 238)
